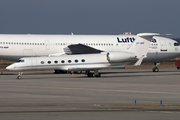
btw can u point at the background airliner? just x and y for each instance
(89, 62)
(17, 46)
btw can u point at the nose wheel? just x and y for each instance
(20, 75)
(156, 69)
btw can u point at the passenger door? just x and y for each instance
(163, 45)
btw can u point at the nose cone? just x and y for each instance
(10, 67)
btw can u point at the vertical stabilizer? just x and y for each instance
(141, 45)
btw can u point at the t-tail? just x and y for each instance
(141, 45)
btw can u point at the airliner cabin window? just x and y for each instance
(49, 62)
(69, 61)
(62, 61)
(76, 61)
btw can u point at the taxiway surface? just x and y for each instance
(43, 95)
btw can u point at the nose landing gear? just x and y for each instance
(20, 75)
(156, 69)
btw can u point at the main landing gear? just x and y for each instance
(156, 69)
(95, 74)
(60, 72)
(20, 75)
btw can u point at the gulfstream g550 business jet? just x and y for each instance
(17, 46)
(89, 62)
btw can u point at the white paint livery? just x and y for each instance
(86, 62)
(17, 46)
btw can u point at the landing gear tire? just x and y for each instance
(155, 69)
(99, 75)
(57, 72)
(19, 77)
(90, 74)
(60, 72)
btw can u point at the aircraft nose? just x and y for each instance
(10, 67)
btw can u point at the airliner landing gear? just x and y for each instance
(95, 74)
(20, 75)
(156, 69)
(60, 72)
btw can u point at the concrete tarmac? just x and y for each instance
(44, 95)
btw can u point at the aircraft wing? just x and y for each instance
(96, 68)
(80, 49)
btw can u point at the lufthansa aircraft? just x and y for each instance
(17, 46)
(89, 62)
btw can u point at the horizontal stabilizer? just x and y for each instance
(138, 63)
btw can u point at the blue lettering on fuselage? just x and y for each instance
(127, 40)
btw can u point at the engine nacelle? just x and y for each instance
(120, 56)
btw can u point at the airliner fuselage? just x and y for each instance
(17, 46)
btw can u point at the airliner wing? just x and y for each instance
(80, 49)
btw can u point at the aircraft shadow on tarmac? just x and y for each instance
(104, 74)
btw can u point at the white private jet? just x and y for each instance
(17, 46)
(89, 62)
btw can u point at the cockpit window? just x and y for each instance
(176, 44)
(19, 61)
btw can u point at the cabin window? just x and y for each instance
(49, 62)
(56, 61)
(69, 61)
(76, 61)
(62, 61)
(82, 60)
(42, 62)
